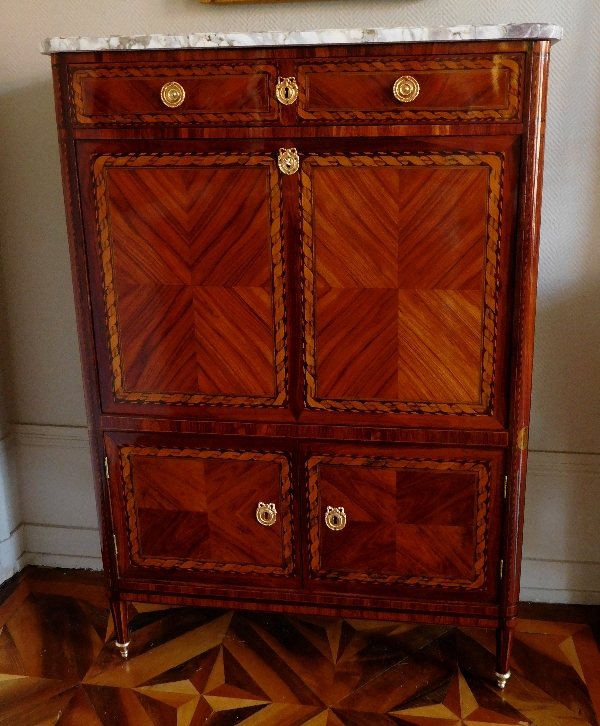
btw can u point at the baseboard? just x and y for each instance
(561, 544)
(561, 582)
(11, 545)
(11, 551)
(561, 552)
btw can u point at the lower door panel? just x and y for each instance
(417, 522)
(202, 512)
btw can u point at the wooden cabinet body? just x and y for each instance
(349, 344)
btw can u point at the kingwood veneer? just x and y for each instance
(306, 315)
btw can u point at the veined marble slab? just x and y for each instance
(523, 31)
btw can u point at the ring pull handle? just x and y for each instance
(335, 518)
(172, 94)
(286, 90)
(288, 161)
(266, 514)
(406, 89)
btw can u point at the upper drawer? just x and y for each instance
(484, 88)
(212, 94)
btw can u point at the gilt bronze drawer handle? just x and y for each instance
(266, 514)
(286, 90)
(172, 94)
(406, 89)
(335, 518)
(288, 161)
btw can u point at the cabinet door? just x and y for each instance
(205, 512)
(187, 253)
(419, 520)
(405, 279)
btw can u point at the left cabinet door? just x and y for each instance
(202, 512)
(185, 255)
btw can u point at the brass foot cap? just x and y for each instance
(124, 648)
(502, 678)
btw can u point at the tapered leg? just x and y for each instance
(118, 609)
(504, 641)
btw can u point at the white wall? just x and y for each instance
(41, 363)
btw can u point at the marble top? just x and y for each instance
(522, 31)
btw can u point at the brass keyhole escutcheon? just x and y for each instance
(406, 89)
(288, 161)
(266, 514)
(335, 518)
(286, 90)
(172, 94)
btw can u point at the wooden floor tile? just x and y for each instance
(199, 667)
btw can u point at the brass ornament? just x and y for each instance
(286, 90)
(288, 161)
(523, 438)
(335, 518)
(266, 514)
(406, 89)
(172, 94)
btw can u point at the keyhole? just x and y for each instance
(287, 92)
(335, 520)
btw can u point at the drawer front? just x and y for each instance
(474, 89)
(213, 94)
(188, 509)
(422, 520)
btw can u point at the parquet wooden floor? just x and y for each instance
(198, 667)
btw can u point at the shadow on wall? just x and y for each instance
(566, 380)
(43, 369)
(39, 355)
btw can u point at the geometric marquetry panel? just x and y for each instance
(195, 509)
(209, 667)
(401, 289)
(193, 279)
(409, 521)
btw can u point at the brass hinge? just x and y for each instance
(501, 568)
(523, 438)
(106, 468)
(505, 485)
(115, 545)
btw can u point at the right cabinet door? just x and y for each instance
(409, 521)
(406, 276)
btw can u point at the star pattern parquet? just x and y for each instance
(201, 667)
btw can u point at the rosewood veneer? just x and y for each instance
(305, 282)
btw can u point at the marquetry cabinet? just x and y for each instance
(305, 283)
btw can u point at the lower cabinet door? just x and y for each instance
(203, 513)
(420, 520)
